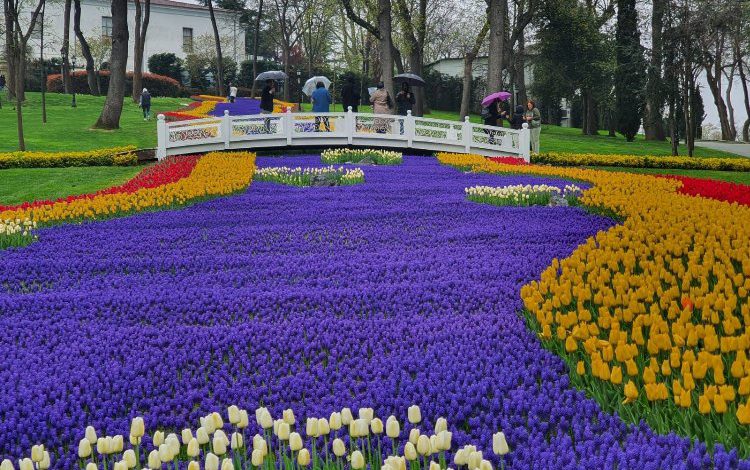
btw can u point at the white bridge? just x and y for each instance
(338, 129)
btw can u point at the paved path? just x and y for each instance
(739, 149)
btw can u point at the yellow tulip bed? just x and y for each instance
(215, 174)
(651, 315)
(116, 156)
(637, 161)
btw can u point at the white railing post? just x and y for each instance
(524, 142)
(351, 125)
(226, 128)
(161, 137)
(409, 128)
(288, 126)
(467, 134)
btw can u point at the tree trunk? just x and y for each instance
(9, 52)
(730, 107)
(42, 68)
(19, 108)
(714, 84)
(140, 29)
(496, 15)
(256, 39)
(219, 58)
(653, 123)
(468, 68)
(386, 44)
(746, 94)
(85, 50)
(520, 65)
(65, 50)
(419, 95)
(110, 116)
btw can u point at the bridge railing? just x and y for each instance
(338, 129)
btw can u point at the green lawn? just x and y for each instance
(741, 177)
(30, 184)
(69, 128)
(566, 139)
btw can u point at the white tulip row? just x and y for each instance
(279, 447)
(16, 232)
(386, 157)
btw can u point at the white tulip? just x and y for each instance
(414, 436)
(257, 458)
(410, 452)
(441, 425)
(339, 449)
(91, 434)
(323, 427)
(186, 435)
(154, 463)
(193, 448)
(212, 462)
(174, 444)
(433, 444)
(194, 465)
(227, 464)
(283, 433)
(117, 444)
(135, 440)
(121, 465)
(260, 444)
(346, 416)
(233, 412)
(45, 463)
(201, 435)
(101, 446)
(311, 427)
(444, 440)
(334, 421)
(6, 465)
(208, 424)
(392, 427)
(91, 466)
(84, 448)
(263, 416)
(485, 465)
(218, 422)
(367, 414)
(434, 465)
(358, 460)
(474, 460)
(288, 417)
(499, 444)
(165, 453)
(460, 457)
(158, 438)
(303, 458)
(220, 446)
(37, 453)
(244, 420)
(26, 464)
(423, 445)
(129, 458)
(137, 427)
(237, 442)
(415, 414)
(295, 441)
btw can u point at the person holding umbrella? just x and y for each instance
(349, 95)
(266, 102)
(491, 112)
(404, 102)
(321, 100)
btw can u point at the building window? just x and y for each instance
(107, 27)
(187, 40)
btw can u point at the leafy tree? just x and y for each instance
(167, 64)
(630, 75)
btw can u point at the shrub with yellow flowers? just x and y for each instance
(639, 161)
(215, 174)
(116, 156)
(651, 315)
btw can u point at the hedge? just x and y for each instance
(158, 85)
(637, 161)
(116, 156)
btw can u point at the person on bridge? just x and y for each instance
(321, 100)
(266, 102)
(349, 95)
(382, 103)
(534, 118)
(516, 121)
(404, 103)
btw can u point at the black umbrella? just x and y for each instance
(410, 78)
(271, 75)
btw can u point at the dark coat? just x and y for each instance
(350, 96)
(491, 120)
(266, 99)
(404, 102)
(516, 121)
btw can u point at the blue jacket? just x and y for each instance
(321, 100)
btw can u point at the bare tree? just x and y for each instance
(110, 116)
(85, 50)
(17, 39)
(653, 116)
(469, 58)
(317, 32)
(289, 16)
(497, 16)
(256, 42)
(414, 26)
(140, 30)
(65, 49)
(219, 58)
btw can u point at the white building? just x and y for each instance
(173, 27)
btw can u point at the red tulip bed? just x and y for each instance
(168, 171)
(720, 190)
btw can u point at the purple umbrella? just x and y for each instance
(499, 96)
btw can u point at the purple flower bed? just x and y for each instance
(241, 107)
(393, 292)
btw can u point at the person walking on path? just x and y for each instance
(404, 103)
(145, 104)
(266, 102)
(232, 93)
(533, 117)
(516, 121)
(349, 95)
(321, 100)
(382, 103)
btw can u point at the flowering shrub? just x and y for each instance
(158, 85)
(16, 232)
(519, 195)
(117, 156)
(378, 157)
(329, 442)
(215, 174)
(591, 159)
(651, 314)
(721, 190)
(327, 176)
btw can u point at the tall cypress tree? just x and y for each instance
(630, 75)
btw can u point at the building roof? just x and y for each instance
(186, 6)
